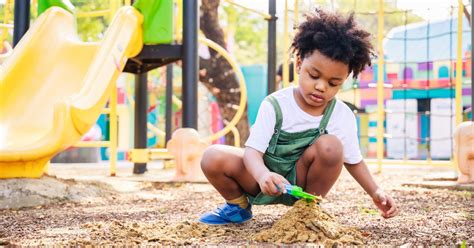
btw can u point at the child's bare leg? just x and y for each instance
(225, 170)
(320, 165)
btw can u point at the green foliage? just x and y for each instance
(366, 13)
(91, 28)
(249, 32)
(9, 37)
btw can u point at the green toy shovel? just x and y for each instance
(300, 194)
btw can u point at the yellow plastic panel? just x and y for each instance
(53, 87)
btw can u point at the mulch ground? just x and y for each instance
(166, 213)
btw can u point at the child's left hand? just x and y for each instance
(385, 203)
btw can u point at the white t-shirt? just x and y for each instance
(342, 124)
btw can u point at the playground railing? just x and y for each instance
(95, 13)
(5, 26)
(266, 16)
(113, 140)
(112, 144)
(243, 91)
(410, 162)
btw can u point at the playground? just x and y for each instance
(143, 211)
(107, 107)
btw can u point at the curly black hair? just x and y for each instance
(336, 37)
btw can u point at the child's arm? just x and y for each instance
(382, 200)
(267, 180)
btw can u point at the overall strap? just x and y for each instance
(327, 115)
(278, 123)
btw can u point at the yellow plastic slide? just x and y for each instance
(54, 87)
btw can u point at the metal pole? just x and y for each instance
(472, 68)
(286, 44)
(271, 55)
(21, 20)
(113, 134)
(169, 102)
(458, 89)
(140, 118)
(296, 23)
(380, 87)
(190, 62)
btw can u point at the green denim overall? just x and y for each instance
(285, 149)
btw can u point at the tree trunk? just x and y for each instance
(217, 74)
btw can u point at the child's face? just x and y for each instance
(320, 78)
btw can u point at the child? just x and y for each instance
(302, 134)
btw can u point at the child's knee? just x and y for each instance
(329, 149)
(212, 158)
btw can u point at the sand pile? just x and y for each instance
(303, 223)
(308, 222)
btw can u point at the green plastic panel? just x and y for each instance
(158, 20)
(43, 5)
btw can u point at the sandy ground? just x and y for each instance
(80, 205)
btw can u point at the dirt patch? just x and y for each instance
(165, 214)
(19, 193)
(308, 222)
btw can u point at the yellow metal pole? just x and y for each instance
(92, 144)
(6, 17)
(113, 130)
(236, 134)
(296, 23)
(95, 13)
(286, 57)
(380, 86)
(46, 168)
(264, 15)
(114, 4)
(161, 134)
(34, 7)
(458, 90)
(178, 33)
(243, 89)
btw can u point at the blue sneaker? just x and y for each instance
(227, 214)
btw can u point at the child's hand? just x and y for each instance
(272, 184)
(385, 203)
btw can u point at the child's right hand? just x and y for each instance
(269, 181)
